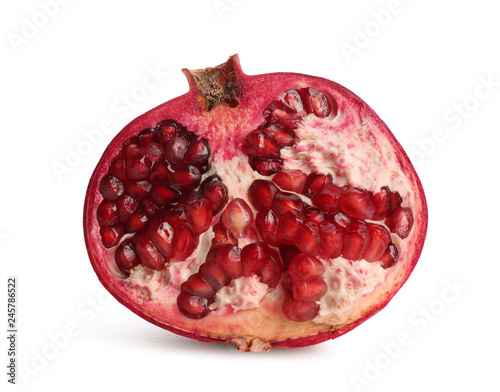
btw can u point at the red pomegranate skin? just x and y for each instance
(224, 120)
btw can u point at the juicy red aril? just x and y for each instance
(315, 183)
(306, 267)
(136, 221)
(271, 271)
(222, 236)
(111, 235)
(379, 240)
(293, 100)
(260, 145)
(107, 213)
(400, 222)
(199, 215)
(290, 180)
(382, 203)
(163, 194)
(174, 214)
(118, 169)
(198, 151)
(161, 234)
(229, 259)
(282, 137)
(253, 257)
(166, 130)
(328, 199)
(267, 224)
(216, 193)
(288, 253)
(196, 285)
(214, 275)
(138, 189)
(317, 102)
(356, 240)
(184, 241)
(138, 165)
(314, 215)
(284, 202)
(266, 166)
(331, 240)
(160, 172)
(308, 290)
(185, 178)
(147, 136)
(339, 218)
(261, 193)
(237, 217)
(176, 148)
(150, 256)
(126, 257)
(149, 207)
(308, 240)
(389, 257)
(288, 226)
(357, 203)
(299, 311)
(126, 205)
(111, 187)
(153, 151)
(278, 112)
(193, 306)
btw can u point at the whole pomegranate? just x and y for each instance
(266, 211)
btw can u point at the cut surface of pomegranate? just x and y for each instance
(273, 210)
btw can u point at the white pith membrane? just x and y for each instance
(355, 153)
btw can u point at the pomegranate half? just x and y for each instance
(273, 210)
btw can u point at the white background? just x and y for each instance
(421, 65)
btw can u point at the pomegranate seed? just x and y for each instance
(260, 145)
(357, 203)
(308, 239)
(153, 151)
(147, 136)
(281, 136)
(331, 240)
(356, 240)
(163, 194)
(288, 226)
(267, 223)
(277, 112)
(117, 168)
(111, 235)
(270, 272)
(199, 215)
(379, 241)
(129, 141)
(315, 183)
(216, 193)
(160, 172)
(400, 222)
(189, 198)
(214, 275)
(138, 189)
(107, 213)
(290, 180)
(174, 215)
(287, 280)
(284, 202)
(237, 217)
(314, 215)
(261, 193)
(396, 201)
(382, 203)
(193, 306)
(136, 221)
(184, 241)
(328, 199)
(222, 236)
(306, 267)
(167, 129)
(317, 102)
(149, 208)
(339, 219)
(176, 148)
(111, 187)
(253, 257)
(161, 234)
(150, 256)
(308, 290)
(196, 285)
(198, 151)
(292, 99)
(229, 259)
(126, 205)
(126, 257)
(299, 311)
(389, 257)
(185, 178)
(266, 166)
(288, 253)
(138, 165)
